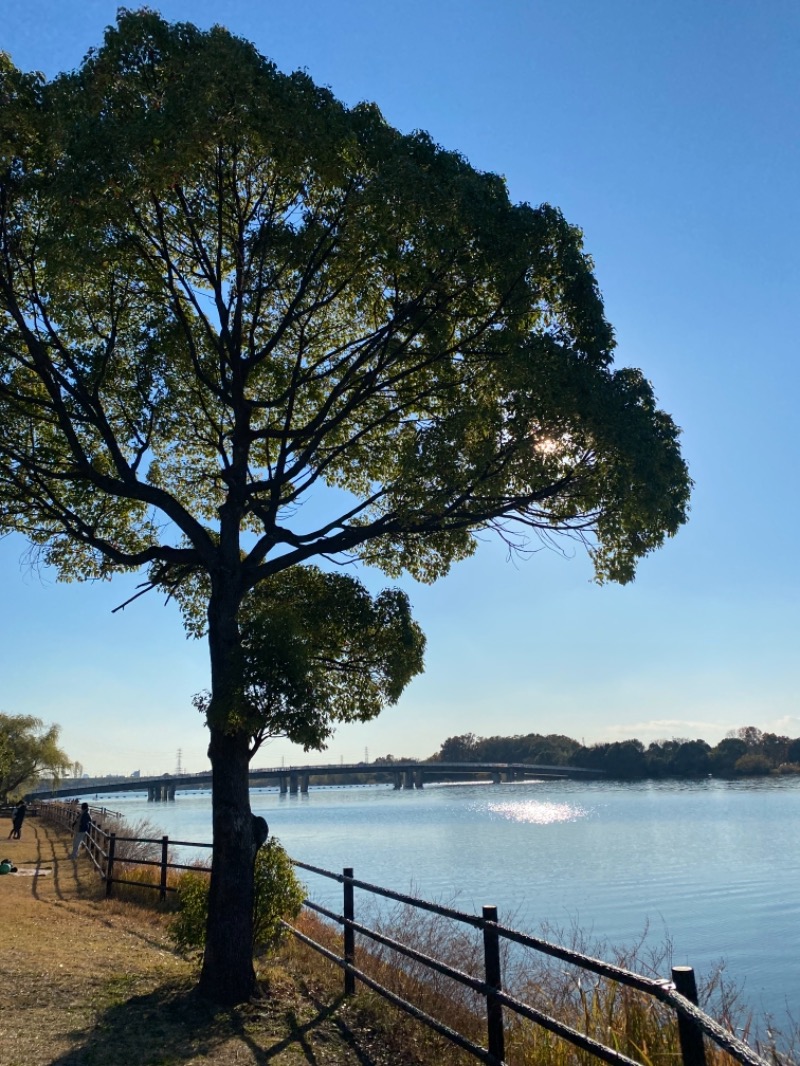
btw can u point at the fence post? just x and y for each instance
(693, 1052)
(349, 934)
(494, 982)
(164, 857)
(112, 844)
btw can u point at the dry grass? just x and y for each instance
(619, 1017)
(142, 882)
(406, 1041)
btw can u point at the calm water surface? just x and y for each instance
(714, 866)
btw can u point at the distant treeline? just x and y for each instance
(744, 752)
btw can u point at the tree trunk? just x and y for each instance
(227, 976)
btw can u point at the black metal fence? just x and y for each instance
(679, 993)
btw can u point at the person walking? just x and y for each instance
(82, 827)
(17, 818)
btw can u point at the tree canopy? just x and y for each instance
(318, 651)
(244, 327)
(28, 749)
(220, 289)
(743, 752)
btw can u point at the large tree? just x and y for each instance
(28, 749)
(243, 327)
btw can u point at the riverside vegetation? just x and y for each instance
(745, 752)
(125, 992)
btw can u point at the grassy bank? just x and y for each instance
(90, 982)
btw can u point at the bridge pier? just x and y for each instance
(410, 778)
(496, 777)
(398, 781)
(304, 783)
(161, 792)
(293, 782)
(283, 784)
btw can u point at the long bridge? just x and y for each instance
(296, 779)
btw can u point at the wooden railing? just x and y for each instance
(679, 993)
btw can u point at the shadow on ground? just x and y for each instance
(172, 1026)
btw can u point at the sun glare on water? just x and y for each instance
(537, 812)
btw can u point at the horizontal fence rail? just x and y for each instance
(679, 993)
(108, 859)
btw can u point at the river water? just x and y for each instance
(713, 866)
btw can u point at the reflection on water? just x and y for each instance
(537, 812)
(713, 866)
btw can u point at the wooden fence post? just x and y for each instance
(693, 1052)
(349, 934)
(112, 844)
(494, 981)
(164, 857)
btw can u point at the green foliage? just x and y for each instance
(27, 750)
(318, 650)
(188, 927)
(678, 758)
(725, 755)
(215, 300)
(278, 894)
(623, 759)
(753, 764)
(746, 751)
(464, 748)
(553, 749)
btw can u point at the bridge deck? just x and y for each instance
(288, 777)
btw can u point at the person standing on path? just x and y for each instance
(17, 818)
(81, 829)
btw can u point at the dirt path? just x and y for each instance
(85, 982)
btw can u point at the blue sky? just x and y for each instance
(669, 133)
